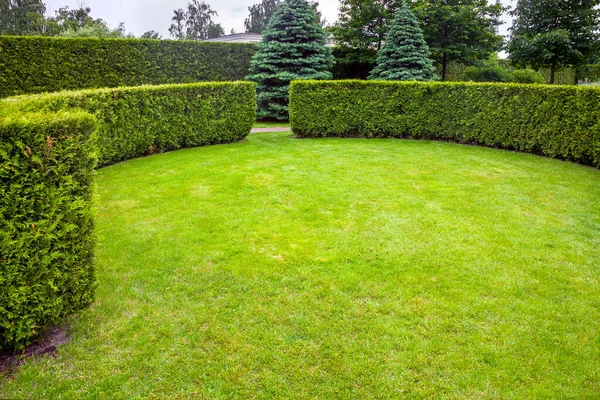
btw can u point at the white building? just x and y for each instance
(249, 38)
(238, 38)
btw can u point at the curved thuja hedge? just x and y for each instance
(48, 64)
(140, 120)
(46, 222)
(46, 168)
(555, 121)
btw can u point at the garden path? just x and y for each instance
(278, 129)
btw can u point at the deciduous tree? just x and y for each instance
(363, 24)
(553, 34)
(151, 35)
(459, 30)
(196, 23)
(260, 14)
(98, 29)
(79, 22)
(75, 19)
(21, 17)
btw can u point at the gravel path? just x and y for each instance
(258, 130)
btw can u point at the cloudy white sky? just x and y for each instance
(145, 15)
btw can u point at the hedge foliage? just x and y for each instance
(134, 121)
(526, 75)
(46, 221)
(555, 121)
(49, 64)
(485, 73)
(47, 159)
(493, 72)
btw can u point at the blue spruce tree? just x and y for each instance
(405, 55)
(292, 47)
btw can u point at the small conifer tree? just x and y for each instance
(405, 55)
(292, 47)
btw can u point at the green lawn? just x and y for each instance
(337, 268)
(271, 125)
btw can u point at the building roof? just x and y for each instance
(250, 38)
(238, 38)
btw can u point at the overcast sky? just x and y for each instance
(145, 15)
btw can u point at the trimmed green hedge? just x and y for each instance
(141, 120)
(46, 166)
(555, 121)
(46, 221)
(49, 64)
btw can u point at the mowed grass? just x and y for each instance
(337, 268)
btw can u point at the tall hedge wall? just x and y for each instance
(49, 64)
(556, 121)
(46, 241)
(133, 121)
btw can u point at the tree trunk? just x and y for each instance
(578, 73)
(552, 72)
(444, 65)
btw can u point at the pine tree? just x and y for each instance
(405, 54)
(293, 47)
